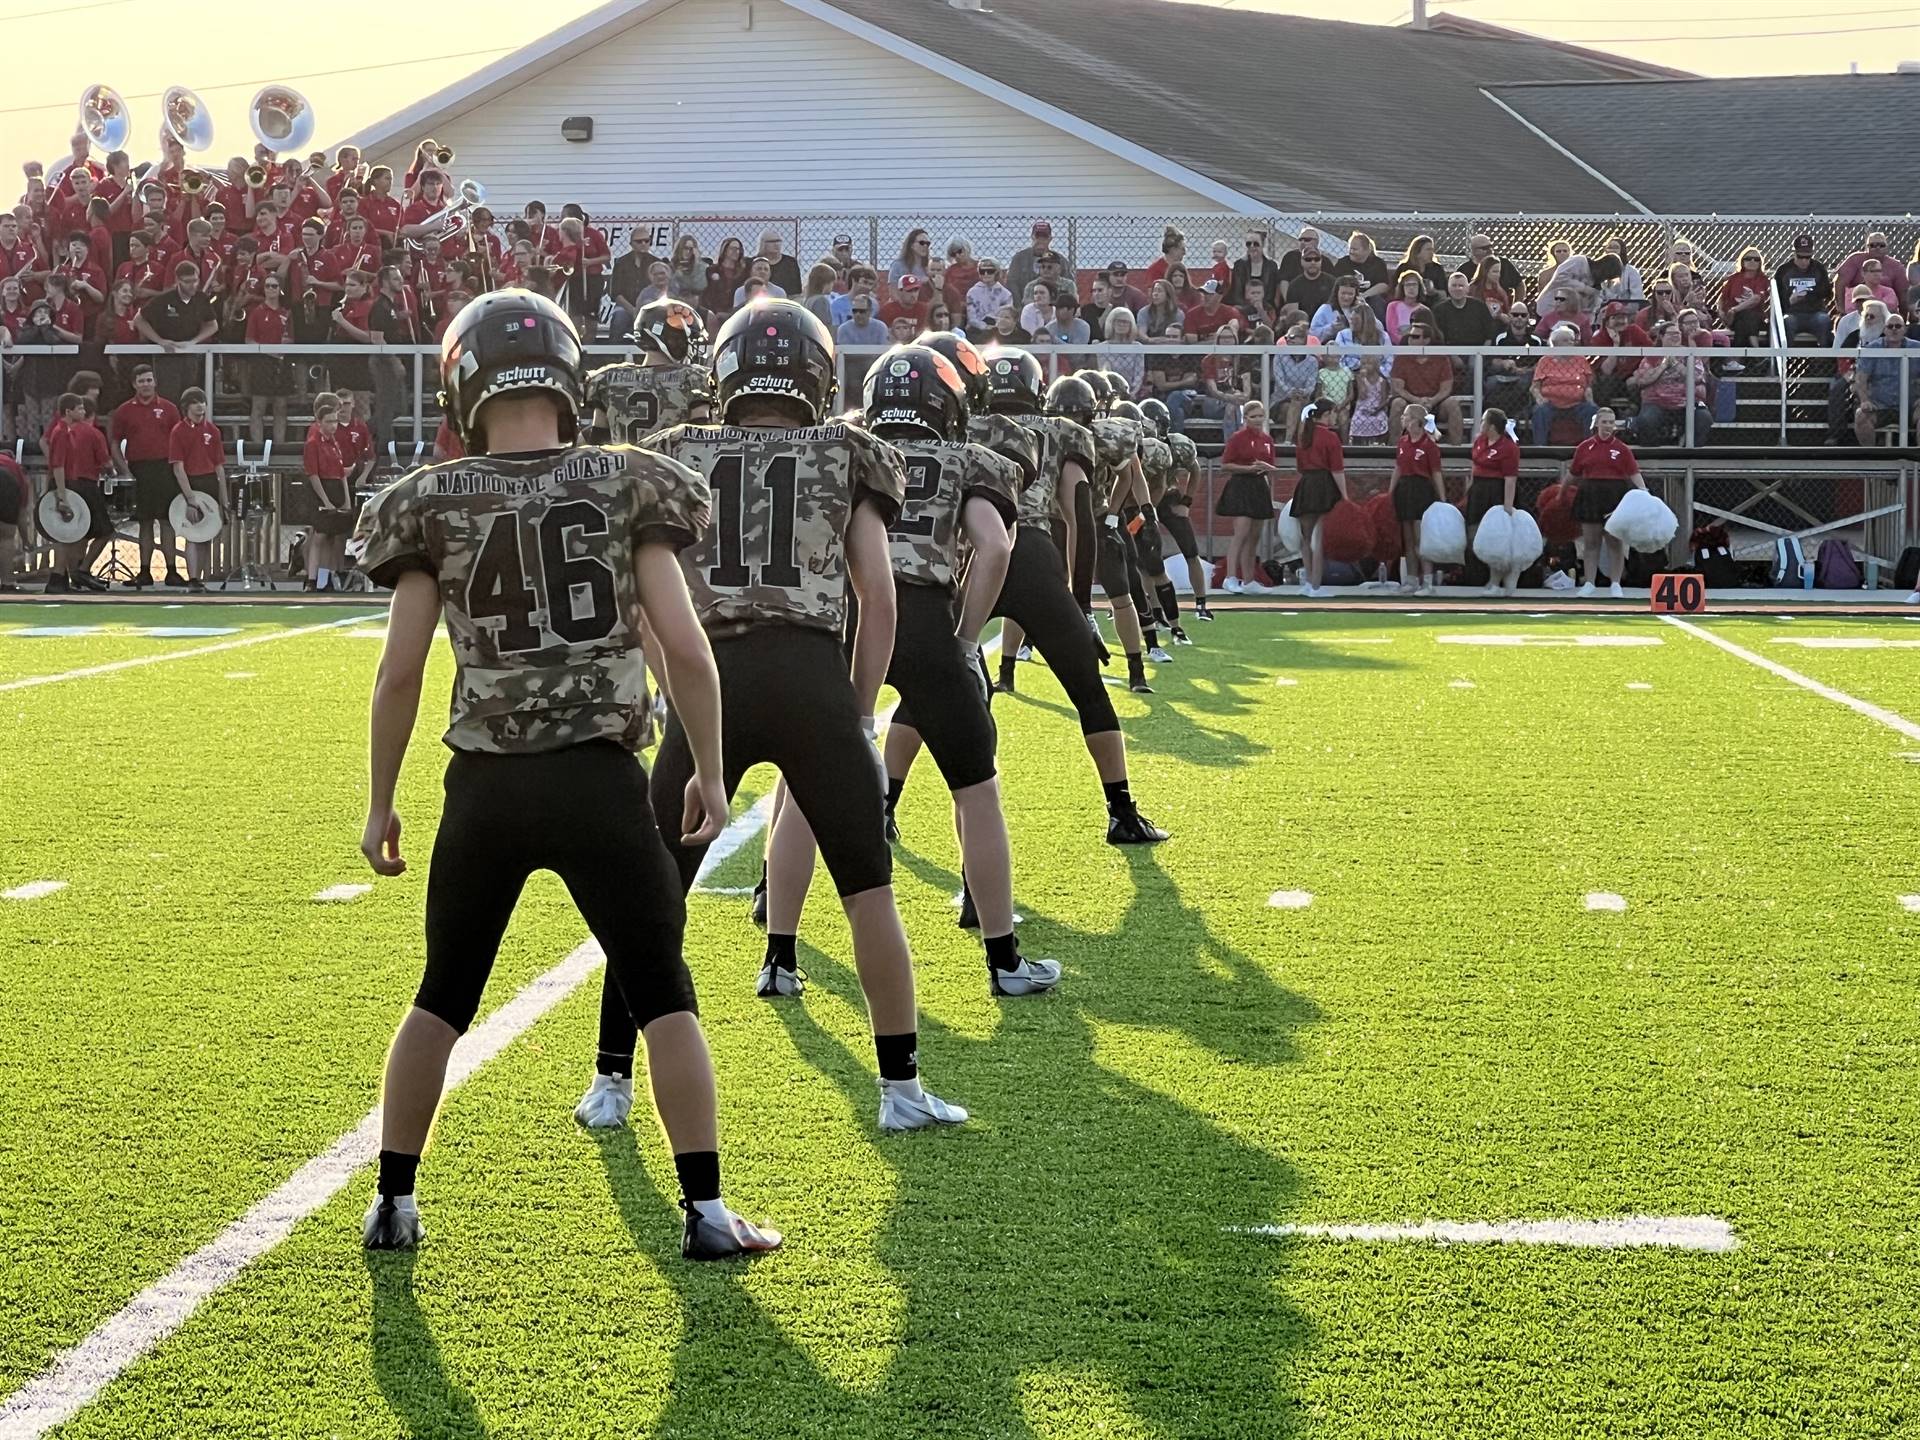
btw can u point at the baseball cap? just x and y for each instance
(1803, 244)
(1212, 287)
(1042, 227)
(843, 239)
(909, 282)
(1119, 265)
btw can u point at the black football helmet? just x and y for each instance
(507, 341)
(1097, 382)
(1127, 410)
(1121, 387)
(968, 361)
(1017, 383)
(1074, 398)
(774, 350)
(1158, 416)
(674, 329)
(915, 392)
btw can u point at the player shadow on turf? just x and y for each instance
(406, 1358)
(1163, 731)
(1067, 1249)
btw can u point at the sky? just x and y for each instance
(356, 66)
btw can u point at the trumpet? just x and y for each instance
(256, 177)
(442, 154)
(194, 182)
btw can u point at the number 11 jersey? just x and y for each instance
(534, 559)
(782, 500)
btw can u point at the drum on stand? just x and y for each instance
(253, 517)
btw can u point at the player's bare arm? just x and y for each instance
(412, 621)
(693, 684)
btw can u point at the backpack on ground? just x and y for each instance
(1712, 550)
(1906, 575)
(1836, 569)
(1789, 564)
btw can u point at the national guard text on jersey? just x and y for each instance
(942, 475)
(534, 557)
(640, 399)
(781, 503)
(1061, 440)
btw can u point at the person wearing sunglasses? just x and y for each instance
(1876, 382)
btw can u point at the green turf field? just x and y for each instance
(1445, 1032)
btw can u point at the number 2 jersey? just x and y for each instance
(640, 399)
(534, 558)
(942, 475)
(782, 500)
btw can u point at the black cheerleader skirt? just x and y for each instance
(1248, 496)
(1488, 492)
(1598, 499)
(1315, 495)
(1412, 497)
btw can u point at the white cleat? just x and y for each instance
(392, 1223)
(1026, 653)
(1914, 598)
(1159, 656)
(1232, 585)
(777, 982)
(607, 1103)
(1029, 977)
(907, 1105)
(1586, 591)
(1254, 587)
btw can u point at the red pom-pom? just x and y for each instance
(1555, 513)
(1386, 528)
(1346, 534)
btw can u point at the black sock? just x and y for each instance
(780, 950)
(699, 1172)
(613, 1062)
(1136, 667)
(899, 1058)
(1119, 797)
(1006, 665)
(1003, 951)
(397, 1172)
(894, 787)
(1151, 637)
(1169, 603)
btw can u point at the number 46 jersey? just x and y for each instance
(782, 500)
(534, 557)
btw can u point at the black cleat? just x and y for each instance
(1004, 685)
(1180, 637)
(893, 829)
(969, 917)
(704, 1239)
(57, 584)
(1202, 611)
(86, 580)
(760, 903)
(1130, 827)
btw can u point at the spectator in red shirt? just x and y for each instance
(119, 322)
(1209, 315)
(197, 454)
(325, 462)
(68, 319)
(911, 298)
(1743, 299)
(1564, 308)
(1618, 330)
(1118, 290)
(1424, 380)
(269, 376)
(1419, 483)
(417, 217)
(1603, 467)
(356, 441)
(20, 257)
(1562, 385)
(1222, 270)
(76, 458)
(963, 273)
(140, 430)
(379, 207)
(1173, 254)
(345, 210)
(1247, 499)
(141, 269)
(446, 444)
(14, 313)
(1893, 274)
(358, 251)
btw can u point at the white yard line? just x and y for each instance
(34, 890)
(338, 894)
(1627, 1232)
(1886, 717)
(32, 680)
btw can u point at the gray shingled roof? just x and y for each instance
(1300, 114)
(1794, 145)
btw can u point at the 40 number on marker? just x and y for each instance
(1679, 594)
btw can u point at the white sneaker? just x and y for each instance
(1492, 588)
(1025, 653)
(1586, 591)
(1914, 598)
(1616, 592)
(1427, 587)
(1232, 584)
(1254, 587)
(778, 982)
(1159, 656)
(392, 1223)
(607, 1103)
(1029, 977)
(1408, 587)
(907, 1105)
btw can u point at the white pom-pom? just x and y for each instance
(1528, 545)
(1642, 522)
(1290, 536)
(1493, 541)
(1443, 534)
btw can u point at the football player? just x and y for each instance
(666, 385)
(1174, 506)
(1038, 597)
(1119, 482)
(1156, 458)
(801, 509)
(956, 491)
(541, 556)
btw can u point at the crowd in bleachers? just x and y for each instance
(331, 251)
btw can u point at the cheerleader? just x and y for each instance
(1496, 475)
(1247, 498)
(1323, 484)
(1603, 467)
(1419, 482)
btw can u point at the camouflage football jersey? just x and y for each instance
(1116, 441)
(782, 500)
(534, 557)
(1156, 457)
(1186, 465)
(1005, 436)
(942, 475)
(1061, 440)
(640, 399)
